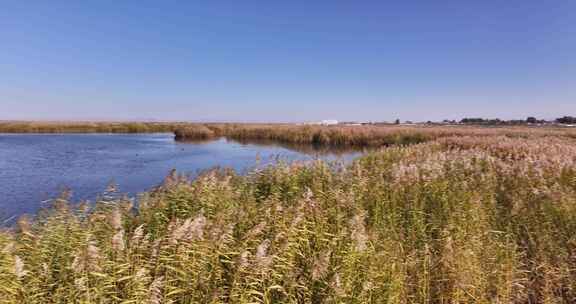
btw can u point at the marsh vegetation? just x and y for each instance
(461, 216)
(355, 136)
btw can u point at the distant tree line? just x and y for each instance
(529, 120)
(497, 121)
(566, 120)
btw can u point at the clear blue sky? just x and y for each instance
(287, 60)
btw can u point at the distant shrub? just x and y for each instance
(194, 132)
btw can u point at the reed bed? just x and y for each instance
(357, 136)
(88, 127)
(466, 219)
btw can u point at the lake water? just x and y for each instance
(37, 167)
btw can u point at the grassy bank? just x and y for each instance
(466, 219)
(88, 127)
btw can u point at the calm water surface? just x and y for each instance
(35, 168)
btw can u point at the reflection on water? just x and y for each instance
(311, 149)
(36, 167)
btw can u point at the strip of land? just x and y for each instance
(87, 127)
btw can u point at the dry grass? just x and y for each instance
(466, 219)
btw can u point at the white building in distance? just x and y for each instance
(326, 122)
(329, 122)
